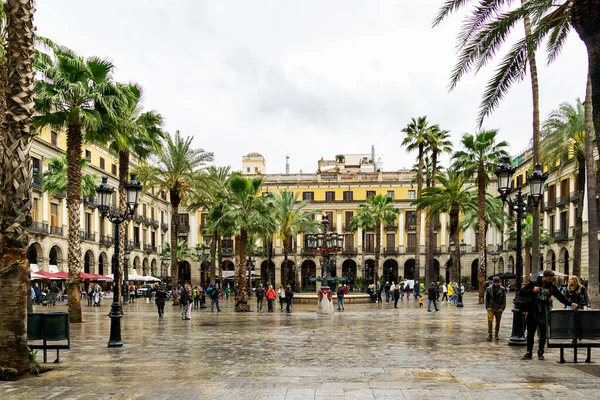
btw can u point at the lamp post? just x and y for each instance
(126, 256)
(459, 251)
(326, 244)
(520, 205)
(105, 193)
(494, 255)
(201, 253)
(164, 262)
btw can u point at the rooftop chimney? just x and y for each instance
(287, 164)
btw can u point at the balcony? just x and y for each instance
(106, 240)
(551, 203)
(40, 228)
(437, 250)
(390, 251)
(411, 227)
(154, 223)
(164, 226)
(184, 228)
(90, 237)
(562, 200)
(90, 201)
(139, 219)
(391, 227)
(227, 252)
(133, 245)
(574, 196)
(561, 235)
(369, 249)
(150, 249)
(349, 251)
(347, 228)
(37, 182)
(307, 253)
(56, 230)
(411, 248)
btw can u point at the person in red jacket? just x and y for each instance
(271, 296)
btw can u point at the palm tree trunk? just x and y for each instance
(241, 297)
(536, 141)
(285, 260)
(592, 174)
(418, 222)
(3, 90)
(364, 258)
(74, 148)
(431, 278)
(481, 186)
(454, 215)
(219, 257)
(175, 200)
(578, 230)
(16, 179)
(213, 254)
(123, 177)
(377, 249)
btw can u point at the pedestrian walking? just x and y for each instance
(281, 295)
(90, 295)
(227, 291)
(542, 289)
(432, 297)
(445, 293)
(289, 295)
(159, 300)
(495, 303)
(420, 300)
(439, 291)
(131, 294)
(196, 296)
(186, 301)
(396, 295)
(340, 297)
(346, 290)
(387, 288)
(450, 293)
(402, 292)
(577, 294)
(260, 295)
(271, 296)
(213, 293)
(379, 290)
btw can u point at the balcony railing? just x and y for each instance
(437, 250)
(89, 236)
(150, 249)
(56, 230)
(106, 240)
(411, 248)
(307, 253)
(164, 226)
(390, 250)
(346, 228)
(227, 252)
(411, 227)
(139, 219)
(40, 227)
(349, 251)
(90, 201)
(37, 182)
(369, 250)
(562, 200)
(133, 245)
(560, 235)
(391, 227)
(551, 203)
(574, 196)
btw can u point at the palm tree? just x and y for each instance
(248, 210)
(3, 71)
(451, 197)
(527, 237)
(564, 134)
(478, 159)
(173, 171)
(416, 134)
(68, 95)
(365, 221)
(292, 218)
(184, 253)
(16, 178)
(55, 179)
(382, 211)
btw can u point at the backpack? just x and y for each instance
(214, 294)
(524, 303)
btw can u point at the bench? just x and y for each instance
(580, 328)
(49, 327)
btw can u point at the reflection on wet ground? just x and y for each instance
(366, 352)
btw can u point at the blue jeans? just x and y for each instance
(271, 305)
(288, 305)
(387, 297)
(340, 303)
(214, 302)
(434, 304)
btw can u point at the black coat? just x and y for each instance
(289, 293)
(432, 293)
(160, 297)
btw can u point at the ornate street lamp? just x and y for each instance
(201, 253)
(494, 255)
(105, 193)
(165, 261)
(125, 290)
(458, 252)
(520, 205)
(325, 244)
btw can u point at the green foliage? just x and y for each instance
(563, 134)
(292, 217)
(55, 179)
(494, 215)
(451, 196)
(481, 153)
(380, 208)
(527, 233)
(183, 252)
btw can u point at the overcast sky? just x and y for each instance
(306, 78)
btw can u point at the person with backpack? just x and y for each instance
(213, 293)
(260, 295)
(495, 303)
(340, 297)
(186, 302)
(159, 300)
(289, 295)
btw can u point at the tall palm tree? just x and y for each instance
(16, 179)
(172, 171)
(452, 197)
(527, 237)
(416, 134)
(248, 210)
(365, 221)
(564, 135)
(68, 96)
(478, 159)
(292, 218)
(3, 71)
(55, 179)
(184, 253)
(382, 210)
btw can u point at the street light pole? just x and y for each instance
(105, 193)
(125, 290)
(494, 255)
(327, 245)
(458, 251)
(520, 205)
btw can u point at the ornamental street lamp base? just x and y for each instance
(460, 303)
(115, 326)
(517, 338)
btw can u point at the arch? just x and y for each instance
(185, 272)
(204, 273)
(309, 270)
(369, 271)
(153, 269)
(145, 266)
(390, 270)
(267, 272)
(35, 256)
(288, 273)
(511, 264)
(136, 265)
(88, 262)
(564, 261)
(103, 263)
(349, 268)
(227, 266)
(474, 273)
(551, 262)
(448, 270)
(409, 269)
(436, 269)
(55, 257)
(500, 265)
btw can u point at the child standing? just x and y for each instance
(421, 301)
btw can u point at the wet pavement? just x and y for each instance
(366, 352)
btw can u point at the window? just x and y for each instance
(101, 227)
(370, 242)
(520, 181)
(184, 222)
(329, 217)
(348, 195)
(162, 217)
(308, 195)
(54, 214)
(88, 155)
(144, 210)
(102, 163)
(256, 170)
(411, 242)
(248, 169)
(390, 240)
(113, 169)
(551, 195)
(329, 196)
(54, 138)
(153, 239)
(35, 204)
(136, 234)
(391, 194)
(152, 212)
(411, 194)
(347, 218)
(145, 235)
(411, 219)
(349, 241)
(551, 224)
(203, 217)
(370, 193)
(564, 222)
(88, 222)
(564, 190)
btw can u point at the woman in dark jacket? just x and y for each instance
(161, 296)
(577, 294)
(542, 289)
(289, 295)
